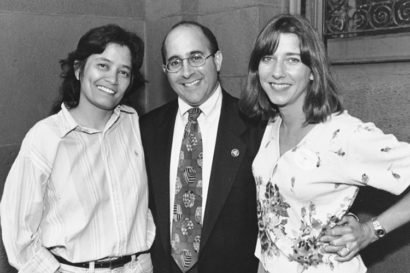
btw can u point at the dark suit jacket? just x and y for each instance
(230, 224)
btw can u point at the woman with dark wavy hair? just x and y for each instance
(95, 42)
(76, 197)
(313, 158)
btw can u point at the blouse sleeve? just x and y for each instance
(377, 159)
(21, 213)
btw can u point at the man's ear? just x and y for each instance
(218, 60)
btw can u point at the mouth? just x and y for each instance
(279, 86)
(106, 89)
(190, 84)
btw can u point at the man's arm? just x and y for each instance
(350, 236)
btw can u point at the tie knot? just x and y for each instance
(193, 113)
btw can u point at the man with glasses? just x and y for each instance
(199, 153)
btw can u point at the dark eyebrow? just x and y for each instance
(196, 52)
(127, 67)
(292, 54)
(109, 61)
(104, 59)
(190, 53)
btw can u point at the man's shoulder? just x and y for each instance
(230, 106)
(229, 98)
(159, 114)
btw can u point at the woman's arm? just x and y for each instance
(21, 213)
(351, 236)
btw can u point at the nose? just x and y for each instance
(112, 77)
(278, 69)
(187, 69)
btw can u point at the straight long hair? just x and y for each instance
(322, 97)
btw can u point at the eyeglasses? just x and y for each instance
(194, 60)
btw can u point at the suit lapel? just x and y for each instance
(161, 184)
(228, 155)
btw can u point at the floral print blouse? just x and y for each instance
(310, 187)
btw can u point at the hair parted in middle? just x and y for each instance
(322, 97)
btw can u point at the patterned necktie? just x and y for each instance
(186, 222)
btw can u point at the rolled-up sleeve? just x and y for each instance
(378, 160)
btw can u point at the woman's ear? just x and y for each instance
(77, 69)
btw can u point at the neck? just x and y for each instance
(96, 119)
(292, 119)
(292, 129)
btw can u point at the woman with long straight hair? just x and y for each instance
(313, 158)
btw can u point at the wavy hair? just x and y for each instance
(94, 42)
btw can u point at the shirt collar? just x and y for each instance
(69, 124)
(207, 107)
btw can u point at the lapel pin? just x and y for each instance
(234, 152)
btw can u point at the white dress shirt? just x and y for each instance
(77, 192)
(208, 124)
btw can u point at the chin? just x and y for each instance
(107, 107)
(193, 101)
